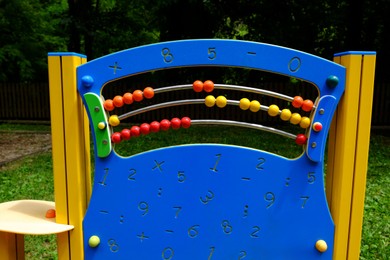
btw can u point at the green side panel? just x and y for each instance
(98, 115)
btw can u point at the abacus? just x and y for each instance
(209, 201)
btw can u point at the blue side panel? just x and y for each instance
(208, 202)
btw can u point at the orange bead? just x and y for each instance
(307, 105)
(108, 105)
(118, 101)
(197, 86)
(128, 98)
(297, 102)
(50, 213)
(137, 95)
(148, 92)
(208, 86)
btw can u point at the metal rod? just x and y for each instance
(178, 103)
(228, 87)
(242, 124)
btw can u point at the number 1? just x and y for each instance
(103, 182)
(214, 169)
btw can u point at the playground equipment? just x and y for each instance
(209, 201)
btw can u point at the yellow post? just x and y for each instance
(348, 153)
(11, 246)
(71, 148)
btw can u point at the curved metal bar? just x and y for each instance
(242, 124)
(228, 87)
(178, 103)
(161, 105)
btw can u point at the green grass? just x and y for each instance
(31, 178)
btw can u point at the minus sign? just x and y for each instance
(104, 212)
(169, 231)
(251, 53)
(245, 179)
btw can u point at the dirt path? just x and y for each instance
(18, 144)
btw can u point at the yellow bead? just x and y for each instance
(285, 115)
(209, 101)
(273, 110)
(101, 125)
(254, 106)
(305, 122)
(221, 101)
(295, 118)
(114, 120)
(321, 246)
(244, 103)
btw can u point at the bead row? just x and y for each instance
(154, 127)
(128, 98)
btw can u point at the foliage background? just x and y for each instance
(31, 28)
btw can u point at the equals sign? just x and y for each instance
(251, 53)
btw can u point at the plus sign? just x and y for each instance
(115, 67)
(142, 236)
(158, 165)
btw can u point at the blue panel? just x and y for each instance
(208, 202)
(211, 201)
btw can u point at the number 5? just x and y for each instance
(212, 53)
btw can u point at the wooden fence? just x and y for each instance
(19, 101)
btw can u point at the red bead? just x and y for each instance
(135, 131)
(300, 139)
(116, 137)
(317, 126)
(186, 122)
(125, 133)
(154, 127)
(145, 128)
(165, 124)
(175, 123)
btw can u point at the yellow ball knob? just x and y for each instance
(321, 246)
(209, 101)
(114, 120)
(101, 125)
(285, 115)
(295, 118)
(273, 110)
(305, 122)
(244, 103)
(254, 106)
(221, 101)
(93, 241)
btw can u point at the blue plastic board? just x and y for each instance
(207, 201)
